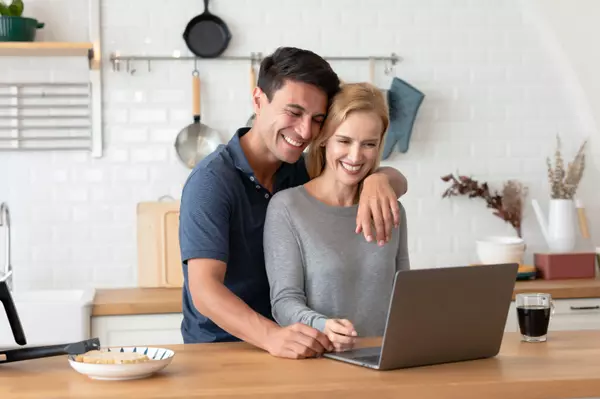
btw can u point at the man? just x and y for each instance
(224, 201)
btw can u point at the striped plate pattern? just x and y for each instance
(151, 352)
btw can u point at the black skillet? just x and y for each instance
(207, 35)
(11, 313)
(35, 352)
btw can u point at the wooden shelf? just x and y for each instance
(56, 49)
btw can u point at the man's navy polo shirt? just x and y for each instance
(222, 215)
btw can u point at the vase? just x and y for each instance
(559, 228)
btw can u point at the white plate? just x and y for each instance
(159, 359)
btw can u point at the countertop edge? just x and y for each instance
(145, 300)
(132, 301)
(102, 310)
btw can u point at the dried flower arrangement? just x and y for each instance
(508, 206)
(563, 185)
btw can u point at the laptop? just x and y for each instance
(441, 315)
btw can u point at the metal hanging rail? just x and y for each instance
(116, 59)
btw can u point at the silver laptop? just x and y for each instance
(441, 315)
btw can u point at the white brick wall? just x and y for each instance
(495, 100)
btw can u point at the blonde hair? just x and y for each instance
(352, 97)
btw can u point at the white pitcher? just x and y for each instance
(559, 229)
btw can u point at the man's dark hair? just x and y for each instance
(291, 63)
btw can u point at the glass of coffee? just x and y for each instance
(534, 312)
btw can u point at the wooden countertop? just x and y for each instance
(131, 301)
(564, 367)
(562, 289)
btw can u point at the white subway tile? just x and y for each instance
(164, 135)
(169, 96)
(117, 155)
(147, 116)
(130, 173)
(129, 135)
(157, 154)
(494, 101)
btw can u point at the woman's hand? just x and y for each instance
(341, 333)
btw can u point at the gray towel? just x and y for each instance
(404, 101)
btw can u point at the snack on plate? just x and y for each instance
(106, 357)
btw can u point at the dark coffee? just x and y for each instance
(533, 320)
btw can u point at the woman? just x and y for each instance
(320, 272)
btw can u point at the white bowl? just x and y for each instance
(159, 359)
(492, 250)
(503, 240)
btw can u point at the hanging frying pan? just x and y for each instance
(197, 140)
(252, 86)
(207, 35)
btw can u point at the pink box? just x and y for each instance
(557, 266)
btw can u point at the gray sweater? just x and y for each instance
(319, 268)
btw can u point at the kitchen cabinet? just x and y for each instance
(576, 314)
(569, 314)
(137, 330)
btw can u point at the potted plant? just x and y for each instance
(558, 228)
(507, 205)
(13, 26)
(563, 260)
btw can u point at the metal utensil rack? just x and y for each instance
(117, 59)
(45, 116)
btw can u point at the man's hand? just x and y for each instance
(341, 333)
(377, 206)
(298, 341)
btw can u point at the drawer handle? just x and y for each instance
(585, 307)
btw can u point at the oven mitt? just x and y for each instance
(403, 101)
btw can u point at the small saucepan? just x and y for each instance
(196, 140)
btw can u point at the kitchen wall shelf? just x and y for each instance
(50, 49)
(45, 48)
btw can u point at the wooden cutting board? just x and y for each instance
(159, 259)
